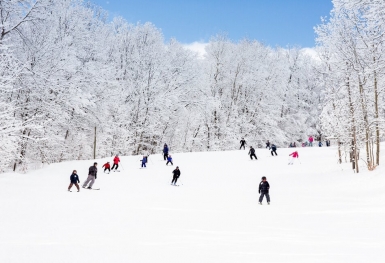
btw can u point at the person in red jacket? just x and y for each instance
(294, 155)
(116, 163)
(107, 167)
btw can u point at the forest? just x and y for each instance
(71, 75)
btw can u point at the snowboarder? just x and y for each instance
(273, 150)
(107, 167)
(116, 163)
(74, 181)
(176, 174)
(311, 139)
(268, 144)
(169, 160)
(165, 152)
(264, 190)
(320, 144)
(92, 171)
(293, 155)
(252, 153)
(144, 161)
(243, 143)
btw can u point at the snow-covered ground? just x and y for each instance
(320, 211)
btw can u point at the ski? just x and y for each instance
(92, 188)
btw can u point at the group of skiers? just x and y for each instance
(92, 171)
(271, 147)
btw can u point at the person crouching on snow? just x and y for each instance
(74, 181)
(144, 161)
(169, 160)
(264, 190)
(294, 155)
(107, 167)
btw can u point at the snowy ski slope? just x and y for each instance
(320, 211)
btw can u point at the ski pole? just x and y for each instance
(122, 166)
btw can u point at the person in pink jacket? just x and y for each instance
(293, 155)
(311, 139)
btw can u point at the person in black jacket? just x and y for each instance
(252, 153)
(92, 172)
(264, 190)
(243, 143)
(273, 150)
(74, 181)
(176, 174)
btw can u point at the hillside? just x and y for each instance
(320, 211)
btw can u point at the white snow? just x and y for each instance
(320, 211)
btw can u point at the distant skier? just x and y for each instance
(92, 172)
(264, 190)
(294, 145)
(320, 144)
(176, 174)
(243, 144)
(252, 153)
(273, 150)
(268, 144)
(327, 143)
(144, 161)
(311, 139)
(74, 181)
(165, 152)
(293, 155)
(169, 160)
(116, 163)
(107, 167)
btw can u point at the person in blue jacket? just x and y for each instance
(169, 160)
(74, 181)
(165, 152)
(144, 161)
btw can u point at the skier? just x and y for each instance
(273, 150)
(74, 181)
(107, 167)
(252, 153)
(176, 174)
(327, 143)
(243, 143)
(264, 190)
(268, 144)
(116, 163)
(294, 155)
(92, 171)
(144, 161)
(319, 144)
(165, 152)
(294, 145)
(311, 139)
(169, 160)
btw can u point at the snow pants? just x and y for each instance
(115, 166)
(242, 145)
(143, 164)
(174, 179)
(267, 197)
(91, 179)
(291, 160)
(109, 170)
(165, 155)
(251, 156)
(272, 151)
(76, 184)
(169, 162)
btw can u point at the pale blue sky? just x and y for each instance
(273, 22)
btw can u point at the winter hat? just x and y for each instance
(263, 177)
